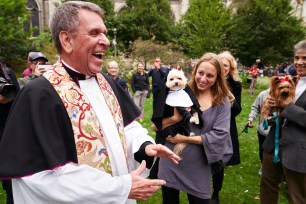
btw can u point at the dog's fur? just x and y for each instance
(176, 81)
(282, 90)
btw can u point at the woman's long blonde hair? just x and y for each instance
(219, 90)
(233, 71)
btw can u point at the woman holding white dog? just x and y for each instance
(210, 145)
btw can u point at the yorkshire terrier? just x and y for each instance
(282, 91)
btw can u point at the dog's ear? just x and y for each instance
(295, 80)
(274, 81)
(168, 82)
(182, 74)
(292, 80)
(168, 78)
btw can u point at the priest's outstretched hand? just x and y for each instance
(158, 150)
(143, 188)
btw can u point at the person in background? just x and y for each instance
(254, 71)
(141, 87)
(179, 67)
(260, 66)
(261, 132)
(159, 76)
(35, 59)
(235, 87)
(210, 145)
(5, 107)
(113, 72)
(27, 71)
(293, 143)
(291, 70)
(72, 134)
(282, 68)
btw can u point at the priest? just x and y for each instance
(72, 135)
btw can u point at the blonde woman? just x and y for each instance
(235, 87)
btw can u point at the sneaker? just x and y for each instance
(260, 171)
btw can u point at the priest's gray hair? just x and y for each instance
(300, 46)
(66, 18)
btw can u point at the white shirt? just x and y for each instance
(300, 87)
(73, 183)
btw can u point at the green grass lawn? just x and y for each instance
(241, 182)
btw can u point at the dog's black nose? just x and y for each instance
(176, 83)
(285, 94)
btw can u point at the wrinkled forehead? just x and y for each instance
(300, 52)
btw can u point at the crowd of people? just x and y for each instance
(72, 130)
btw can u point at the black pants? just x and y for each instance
(218, 180)
(261, 140)
(154, 170)
(7, 186)
(172, 196)
(155, 93)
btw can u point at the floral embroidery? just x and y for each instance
(89, 140)
(83, 146)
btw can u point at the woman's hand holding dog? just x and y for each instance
(271, 101)
(184, 139)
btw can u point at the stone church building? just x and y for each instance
(42, 10)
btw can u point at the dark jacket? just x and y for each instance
(140, 82)
(235, 87)
(159, 76)
(294, 135)
(5, 108)
(25, 150)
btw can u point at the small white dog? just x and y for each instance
(177, 97)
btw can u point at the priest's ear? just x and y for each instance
(66, 41)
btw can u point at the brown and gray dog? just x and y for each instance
(282, 92)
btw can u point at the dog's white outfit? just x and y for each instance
(178, 98)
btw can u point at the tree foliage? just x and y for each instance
(14, 42)
(147, 50)
(204, 27)
(145, 19)
(265, 29)
(44, 43)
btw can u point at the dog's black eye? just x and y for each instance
(180, 78)
(171, 79)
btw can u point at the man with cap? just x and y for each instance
(33, 71)
(33, 59)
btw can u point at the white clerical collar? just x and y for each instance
(68, 66)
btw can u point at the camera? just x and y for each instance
(44, 67)
(7, 88)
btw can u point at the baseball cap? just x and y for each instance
(37, 55)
